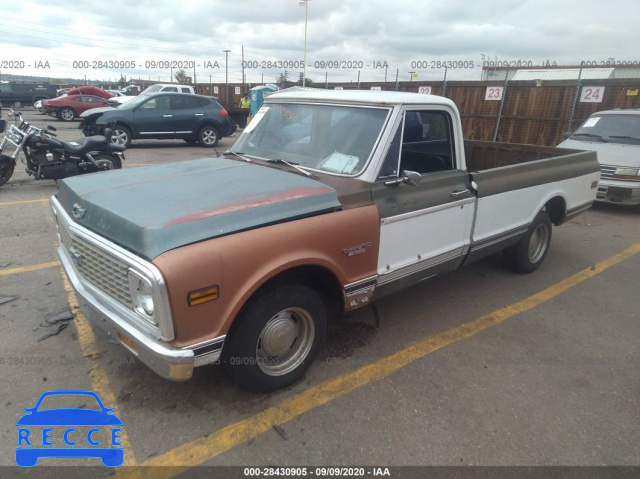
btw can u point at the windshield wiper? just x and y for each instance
(624, 137)
(285, 162)
(590, 135)
(239, 155)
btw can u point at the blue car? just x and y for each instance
(30, 448)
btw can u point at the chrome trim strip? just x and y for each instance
(579, 209)
(499, 237)
(208, 342)
(164, 330)
(363, 283)
(157, 132)
(433, 209)
(186, 131)
(420, 266)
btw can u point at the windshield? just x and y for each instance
(336, 139)
(623, 128)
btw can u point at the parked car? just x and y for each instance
(162, 116)
(25, 93)
(37, 106)
(68, 107)
(116, 92)
(615, 135)
(235, 259)
(62, 91)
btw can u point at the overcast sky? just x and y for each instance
(354, 35)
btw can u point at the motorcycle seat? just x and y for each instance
(85, 145)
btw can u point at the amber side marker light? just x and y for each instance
(127, 341)
(203, 295)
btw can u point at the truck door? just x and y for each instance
(425, 228)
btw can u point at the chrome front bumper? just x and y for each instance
(170, 363)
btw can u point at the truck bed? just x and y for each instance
(485, 155)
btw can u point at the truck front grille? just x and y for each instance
(103, 271)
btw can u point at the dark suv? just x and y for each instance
(25, 93)
(192, 118)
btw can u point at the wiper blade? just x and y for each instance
(239, 155)
(624, 137)
(288, 163)
(590, 135)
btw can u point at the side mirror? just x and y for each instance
(411, 178)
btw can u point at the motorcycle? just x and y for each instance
(47, 158)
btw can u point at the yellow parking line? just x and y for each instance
(203, 449)
(26, 269)
(100, 383)
(24, 202)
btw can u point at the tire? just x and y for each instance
(208, 136)
(108, 162)
(67, 114)
(6, 170)
(275, 338)
(121, 135)
(529, 253)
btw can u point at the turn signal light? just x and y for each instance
(204, 295)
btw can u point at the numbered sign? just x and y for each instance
(425, 90)
(376, 88)
(237, 90)
(338, 88)
(216, 90)
(592, 94)
(493, 93)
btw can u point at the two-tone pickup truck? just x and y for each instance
(326, 198)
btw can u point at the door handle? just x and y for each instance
(459, 192)
(167, 116)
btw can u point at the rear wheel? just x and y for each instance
(67, 114)
(208, 136)
(120, 136)
(6, 169)
(107, 162)
(530, 251)
(276, 337)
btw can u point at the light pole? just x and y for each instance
(411, 76)
(304, 64)
(226, 71)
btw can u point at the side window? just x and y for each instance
(185, 89)
(170, 88)
(5, 88)
(158, 103)
(181, 102)
(427, 144)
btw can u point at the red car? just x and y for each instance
(90, 90)
(68, 107)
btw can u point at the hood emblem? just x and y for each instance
(78, 211)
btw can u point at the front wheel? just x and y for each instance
(208, 136)
(67, 114)
(7, 165)
(107, 162)
(120, 136)
(276, 337)
(529, 253)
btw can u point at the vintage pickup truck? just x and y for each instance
(326, 198)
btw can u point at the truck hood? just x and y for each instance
(153, 209)
(615, 154)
